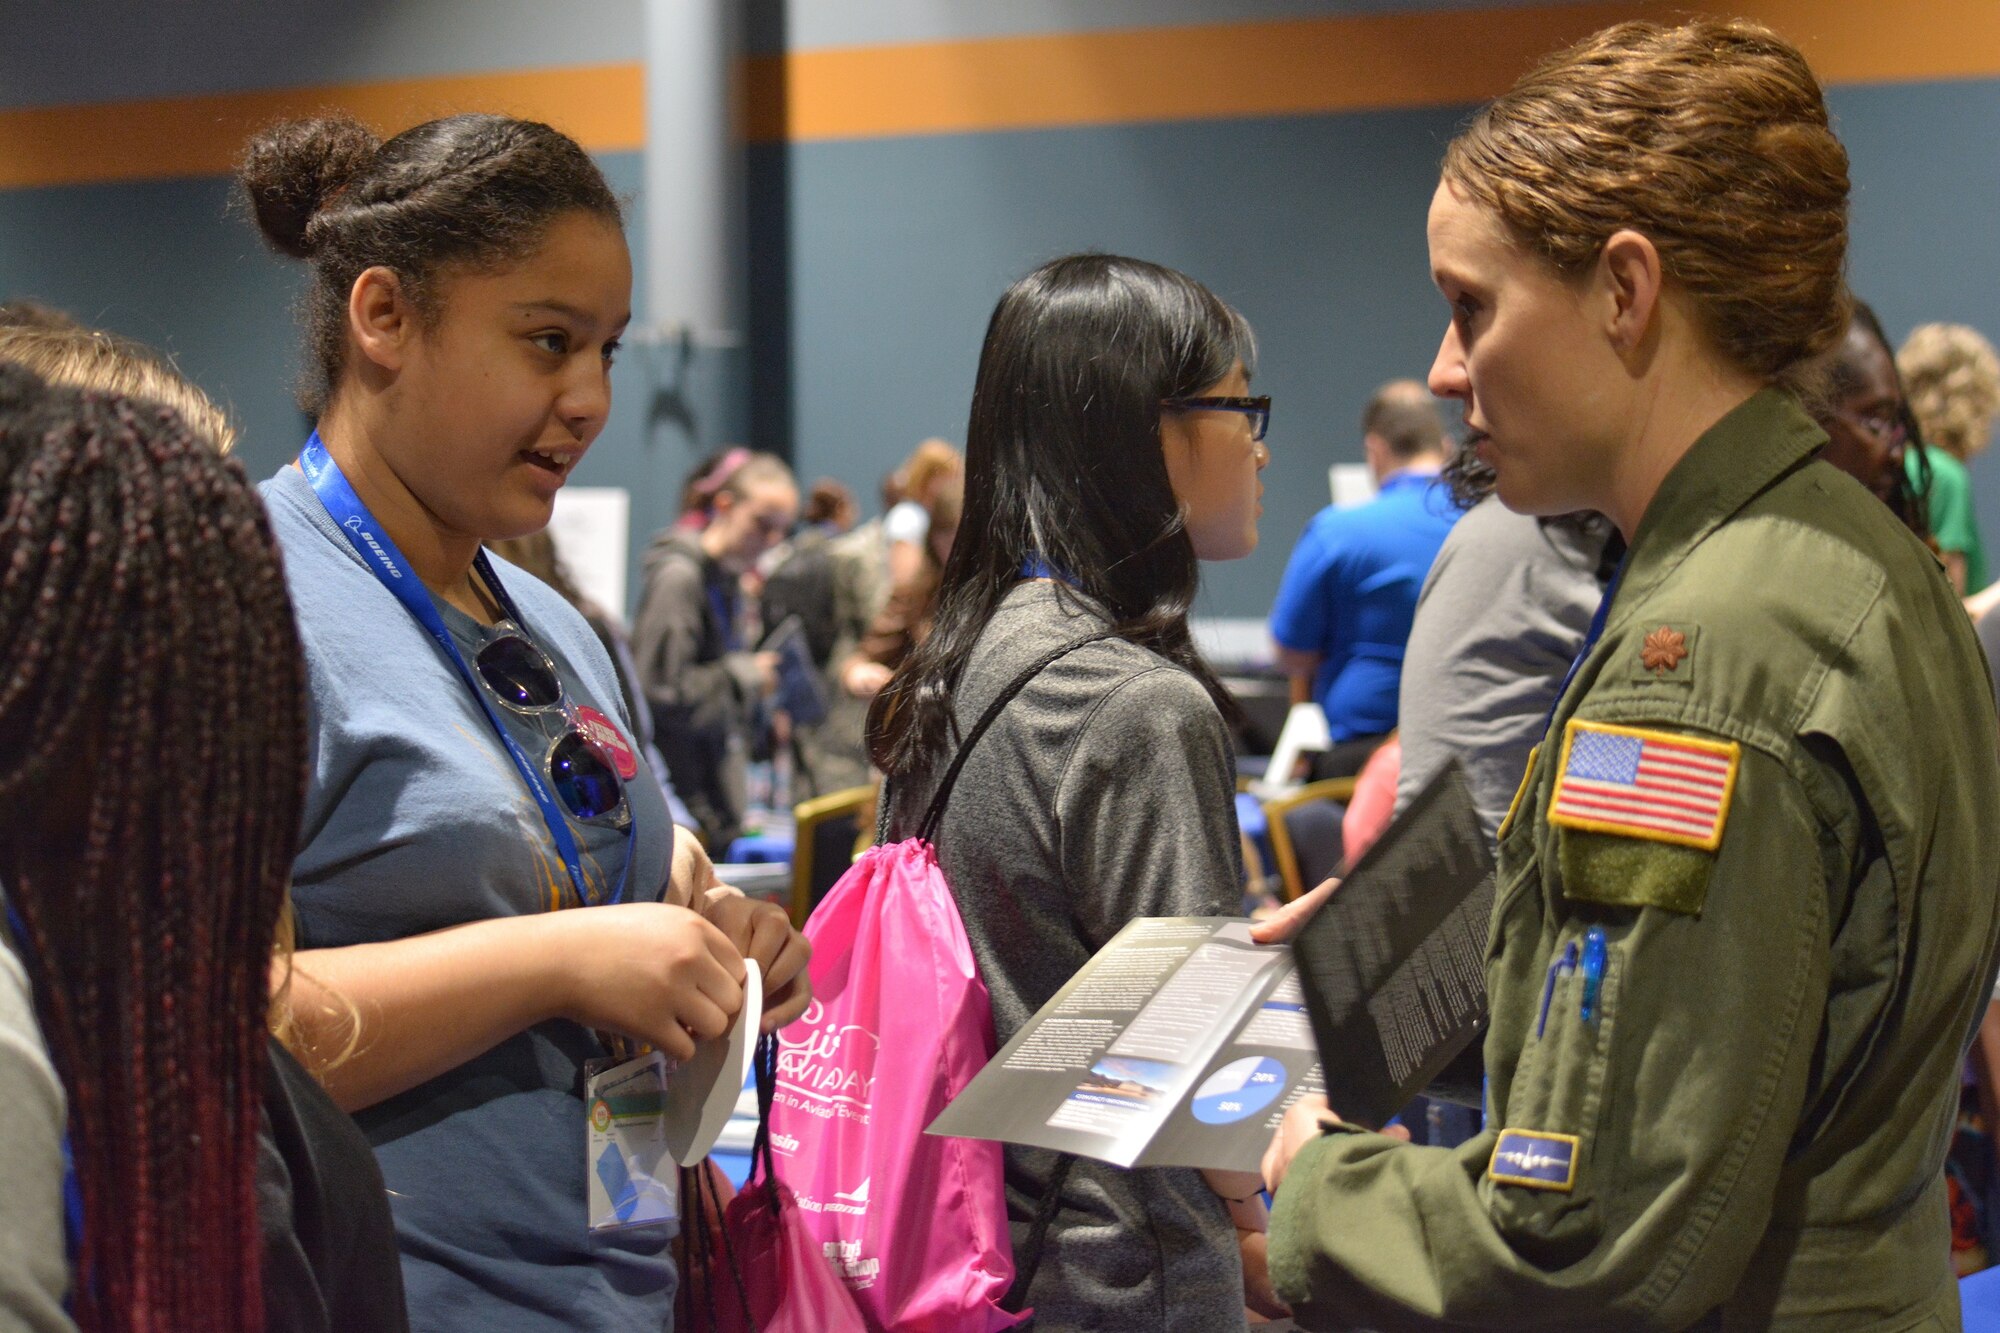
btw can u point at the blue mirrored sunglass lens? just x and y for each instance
(585, 783)
(518, 673)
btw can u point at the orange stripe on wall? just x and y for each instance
(601, 106)
(1297, 67)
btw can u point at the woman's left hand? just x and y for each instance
(1307, 1120)
(763, 930)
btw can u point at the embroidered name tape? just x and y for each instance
(1636, 783)
(1534, 1159)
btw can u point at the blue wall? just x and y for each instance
(1313, 227)
(1925, 159)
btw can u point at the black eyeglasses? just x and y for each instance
(1258, 409)
(1884, 423)
(521, 676)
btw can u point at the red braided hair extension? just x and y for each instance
(152, 744)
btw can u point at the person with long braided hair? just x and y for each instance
(152, 748)
(474, 768)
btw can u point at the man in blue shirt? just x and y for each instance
(1350, 590)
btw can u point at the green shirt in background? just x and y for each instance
(1953, 523)
(1723, 1069)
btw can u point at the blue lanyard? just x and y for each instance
(725, 613)
(72, 1189)
(379, 553)
(1035, 567)
(1589, 640)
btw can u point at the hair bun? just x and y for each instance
(292, 168)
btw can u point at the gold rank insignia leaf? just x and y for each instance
(1663, 650)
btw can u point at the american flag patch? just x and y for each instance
(1645, 784)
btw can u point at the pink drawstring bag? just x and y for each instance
(752, 1267)
(899, 1024)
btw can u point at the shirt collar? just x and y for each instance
(1733, 462)
(1405, 475)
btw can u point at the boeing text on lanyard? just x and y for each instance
(379, 553)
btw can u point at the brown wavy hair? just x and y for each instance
(1711, 139)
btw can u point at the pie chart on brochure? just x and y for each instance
(1239, 1090)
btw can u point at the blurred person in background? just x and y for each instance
(931, 465)
(1344, 607)
(1952, 378)
(830, 508)
(707, 685)
(1870, 433)
(817, 579)
(905, 619)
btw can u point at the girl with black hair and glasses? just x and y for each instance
(1112, 445)
(488, 873)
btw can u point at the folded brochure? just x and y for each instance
(1183, 1042)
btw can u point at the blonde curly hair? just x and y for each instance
(1952, 379)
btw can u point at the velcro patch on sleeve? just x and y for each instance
(1636, 783)
(1537, 1160)
(1630, 872)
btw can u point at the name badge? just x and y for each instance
(632, 1179)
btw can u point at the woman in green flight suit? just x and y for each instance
(1745, 922)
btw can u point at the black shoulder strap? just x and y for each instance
(928, 829)
(1030, 1257)
(1050, 1204)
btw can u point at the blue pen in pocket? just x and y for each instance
(1560, 967)
(1595, 948)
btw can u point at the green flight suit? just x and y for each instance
(1750, 1130)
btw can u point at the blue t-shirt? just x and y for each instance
(1350, 594)
(416, 820)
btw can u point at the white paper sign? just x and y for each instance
(592, 530)
(1352, 484)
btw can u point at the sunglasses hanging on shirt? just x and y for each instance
(523, 679)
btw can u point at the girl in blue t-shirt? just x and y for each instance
(472, 767)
